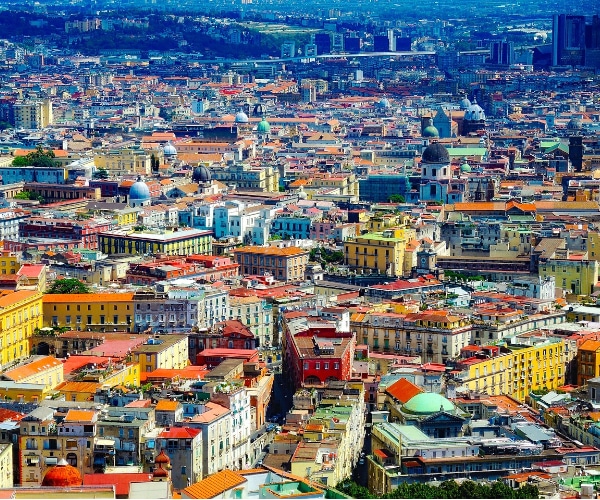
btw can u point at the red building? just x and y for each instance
(85, 232)
(318, 354)
(194, 266)
(214, 357)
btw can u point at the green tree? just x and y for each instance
(68, 285)
(101, 173)
(154, 163)
(41, 158)
(20, 161)
(397, 198)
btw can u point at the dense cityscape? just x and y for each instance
(265, 250)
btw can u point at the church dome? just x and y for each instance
(475, 113)
(169, 150)
(465, 168)
(162, 458)
(201, 174)
(430, 131)
(436, 153)
(465, 104)
(264, 127)
(427, 403)
(241, 117)
(383, 103)
(62, 475)
(574, 124)
(160, 472)
(139, 191)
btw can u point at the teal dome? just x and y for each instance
(466, 168)
(427, 403)
(263, 127)
(430, 131)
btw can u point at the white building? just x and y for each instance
(237, 399)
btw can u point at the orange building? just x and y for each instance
(284, 264)
(588, 361)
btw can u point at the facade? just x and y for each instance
(379, 187)
(21, 313)
(44, 443)
(124, 161)
(436, 336)
(588, 361)
(85, 232)
(33, 115)
(291, 228)
(383, 252)
(183, 445)
(166, 351)
(515, 370)
(215, 421)
(28, 174)
(317, 355)
(43, 370)
(577, 277)
(180, 242)
(235, 397)
(284, 264)
(102, 312)
(256, 314)
(246, 177)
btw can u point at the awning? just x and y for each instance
(51, 460)
(105, 442)
(150, 444)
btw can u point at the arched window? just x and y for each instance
(72, 459)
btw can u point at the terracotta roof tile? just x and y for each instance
(215, 485)
(403, 390)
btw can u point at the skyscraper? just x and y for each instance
(568, 40)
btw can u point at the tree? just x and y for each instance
(397, 198)
(68, 285)
(154, 163)
(101, 173)
(20, 161)
(36, 158)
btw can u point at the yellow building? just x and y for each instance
(124, 161)
(97, 312)
(44, 370)
(20, 315)
(85, 386)
(576, 277)
(166, 351)
(43, 443)
(516, 370)
(78, 391)
(9, 263)
(382, 252)
(186, 241)
(22, 393)
(127, 216)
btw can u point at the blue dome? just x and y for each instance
(465, 104)
(241, 117)
(383, 103)
(169, 150)
(475, 113)
(139, 191)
